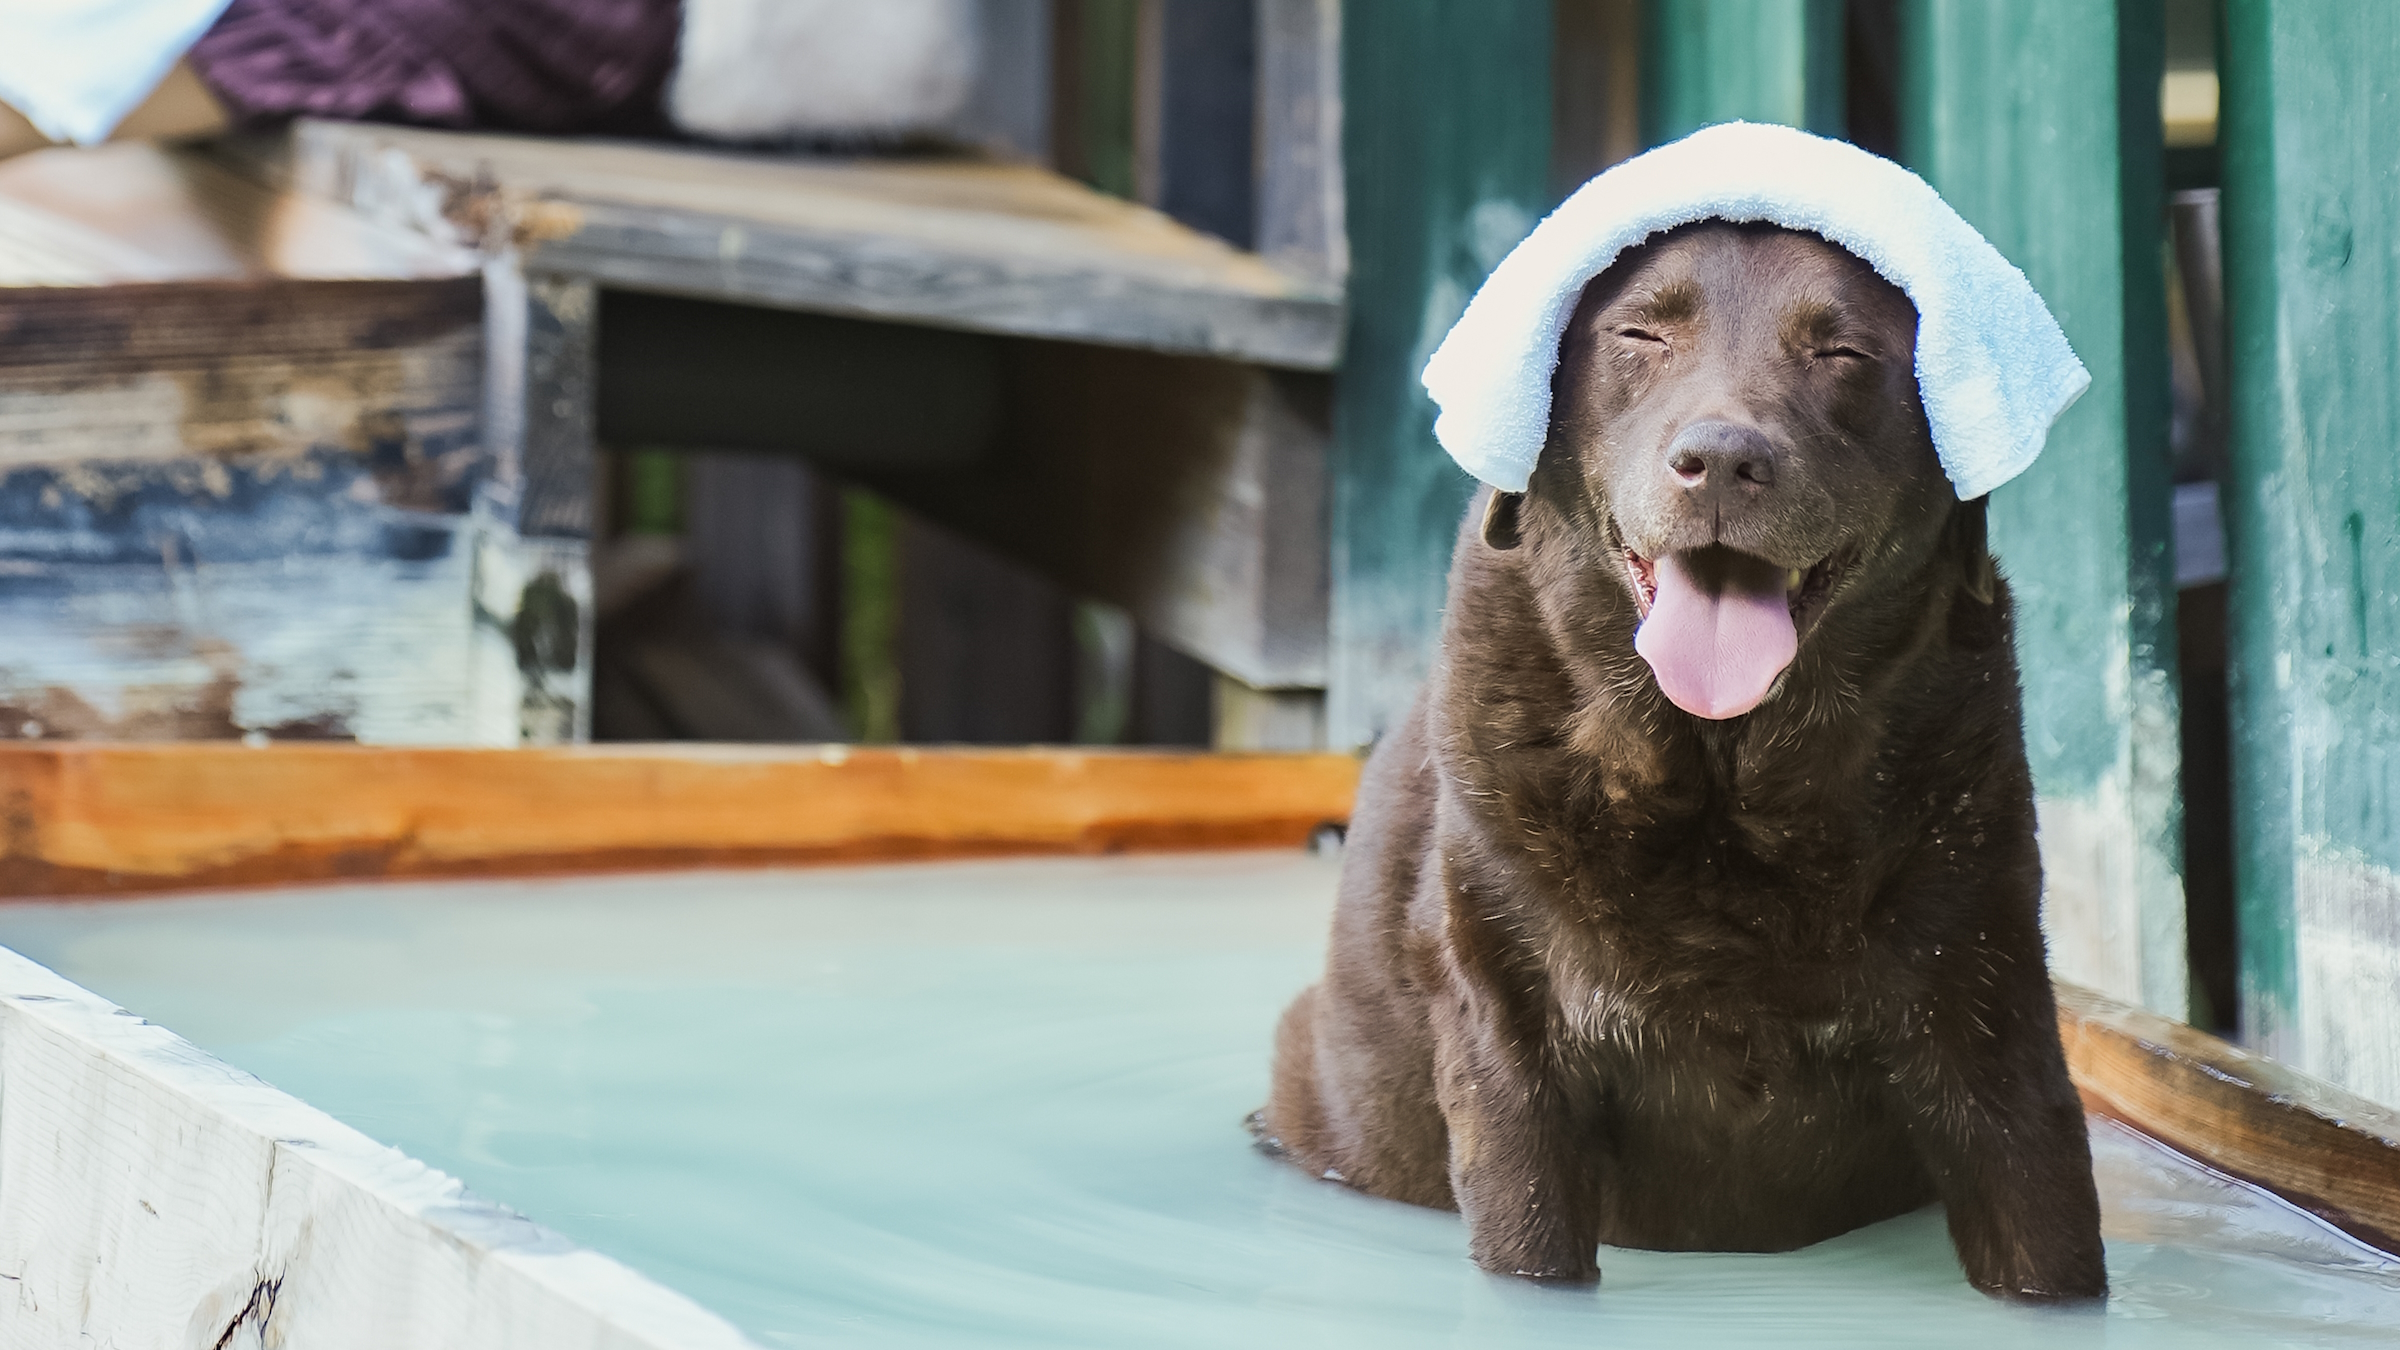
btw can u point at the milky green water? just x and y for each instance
(999, 1104)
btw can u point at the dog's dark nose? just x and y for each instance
(1721, 457)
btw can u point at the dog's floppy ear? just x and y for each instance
(1500, 520)
(1975, 549)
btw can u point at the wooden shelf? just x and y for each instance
(953, 242)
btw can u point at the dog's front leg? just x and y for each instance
(1524, 1185)
(1996, 1120)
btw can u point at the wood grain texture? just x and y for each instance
(1300, 211)
(2324, 1149)
(158, 1197)
(2310, 130)
(260, 472)
(103, 819)
(1446, 156)
(267, 505)
(2039, 122)
(974, 244)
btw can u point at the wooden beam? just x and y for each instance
(114, 819)
(956, 243)
(2310, 130)
(1708, 61)
(2039, 122)
(1446, 157)
(2332, 1153)
(158, 1197)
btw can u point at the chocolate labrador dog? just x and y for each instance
(1695, 904)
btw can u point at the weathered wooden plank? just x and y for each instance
(1300, 214)
(1446, 139)
(2040, 123)
(182, 324)
(982, 245)
(2310, 132)
(103, 819)
(157, 1196)
(233, 507)
(2324, 1149)
(1707, 61)
(240, 497)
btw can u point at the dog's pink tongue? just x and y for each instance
(1716, 651)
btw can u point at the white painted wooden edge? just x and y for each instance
(152, 1195)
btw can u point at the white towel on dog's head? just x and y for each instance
(1992, 365)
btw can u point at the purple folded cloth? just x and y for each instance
(528, 65)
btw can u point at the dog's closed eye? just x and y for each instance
(1641, 336)
(1839, 353)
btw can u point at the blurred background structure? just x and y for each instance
(1077, 401)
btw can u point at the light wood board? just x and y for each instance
(98, 819)
(2329, 1151)
(155, 1196)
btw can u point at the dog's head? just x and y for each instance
(1737, 438)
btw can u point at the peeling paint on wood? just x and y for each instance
(1446, 158)
(257, 505)
(2039, 121)
(982, 245)
(2310, 131)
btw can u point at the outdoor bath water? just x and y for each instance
(999, 1104)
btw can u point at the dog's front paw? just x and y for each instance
(1585, 1277)
(2068, 1277)
(1552, 1268)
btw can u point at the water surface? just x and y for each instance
(999, 1104)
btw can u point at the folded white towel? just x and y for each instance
(74, 68)
(1992, 365)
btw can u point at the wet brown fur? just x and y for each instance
(1604, 972)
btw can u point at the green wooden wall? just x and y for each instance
(2039, 121)
(2310, 136)
(1706, 61)
(1446, 144)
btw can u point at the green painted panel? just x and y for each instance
(1706, 61)
(1446, 144)
(2310, 135)
(2038, 120)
